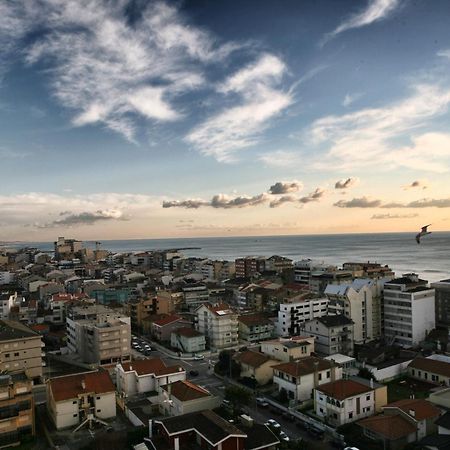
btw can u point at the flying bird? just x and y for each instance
(424, 232)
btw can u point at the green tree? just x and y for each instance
(238, 397)
(226, 365)
(283, 396)
(366, 373)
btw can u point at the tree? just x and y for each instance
(366, 373)
(283, 395)
(238, 397)
(226, 365)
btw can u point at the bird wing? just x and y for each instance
(424, 228)
(418, 238)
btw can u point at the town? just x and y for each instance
(156, 350)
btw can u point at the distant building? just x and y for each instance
(162, 327)
(255, 328)
(409, 310)
(256, 365)
(430, 370)
(7, 301)
(288, 349)
(442, 302)
(249, 266)
(67, 248)
(188, 340)
(72, 399)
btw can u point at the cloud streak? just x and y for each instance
(285, 187)
(362, 202)
(346, 183)
(417, 184)
(393, 216)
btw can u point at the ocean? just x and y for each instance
(430, 259)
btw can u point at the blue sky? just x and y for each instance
(207, 118)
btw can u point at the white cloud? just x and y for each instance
(349, 99)
(106, 69)
(239, 127)
(444, 53)
(375, 11)
(281, 158)
(360, 138)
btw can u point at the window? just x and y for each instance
(320, 377)
(16, 354)
(368, 397)
(75, 415)
(350, 415)
(99, 410)
(6, 355)
(74, 402)
(328, 374)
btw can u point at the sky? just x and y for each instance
(146, 119)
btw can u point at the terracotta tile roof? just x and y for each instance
(342, 389)
(166, 320)
(187, 332)
(71, 386)
(304, 366)
(254, 319)
(251, 358)
(185, 391)
(431, 365)
(151, 366)
(423, 409)
(220, 309)
(390, 427)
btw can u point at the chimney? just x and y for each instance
(83, 384)
(131, 367)
(150, 428)
(371, 383)
(412, 413)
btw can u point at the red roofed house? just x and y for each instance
(256, 365)
(188, 340)
(71, 399)
(145, 375)
(163, 327)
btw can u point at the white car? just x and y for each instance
(199, 357)
(351, 448)
(284, 436)
(273, 423)
(261, 401)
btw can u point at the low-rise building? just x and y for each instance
(145, 375)
(288, 349)
(72, 399)
(162, 328)
(334, 334)
(188, 340)
(255, 328)
(430, 370)
(299, 378)
(256, 365)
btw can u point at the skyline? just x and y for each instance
(151, 119)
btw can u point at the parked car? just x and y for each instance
(199, 357)
(193, 373)
(261, 401)
(273, 424)
(284, 436)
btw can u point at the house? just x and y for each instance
(430, 370)
(71, 399)
(256, 365)
(255, 328)
(402, 422)
(219, 324)
(182, 397)
(443, 424)
(187, 340)
(205, 429)
(346, 401)
(334, 334)
(288, 349)
(163, 327)
(299, 378)
(145, 375)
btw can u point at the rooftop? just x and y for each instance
(10, 330)
(251, 358)
(422, 409)
(152, 366)
(254, 319)
(186, 391)
(391, 427)
(187, 332)
(342, 389)
(431, 365)
(304, 366)
(334, 321)
(167, 320)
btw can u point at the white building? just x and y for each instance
(219, 324)
(409, 310)
(7, 277)
(299, 378)
(145, 375)
(188, 340)
(303, 269)
(360, 301)
(288, 349)
(294, 313)
(7, 300)
(71, 399)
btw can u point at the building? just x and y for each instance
(205, 429)
(401, 423)
(72, 399)
(409, 312)
(278, 264)
(360, 301)
(145, 375)
(346, 401)
(249, 266)
(320, 279)
(304, 268)
(194, 296)
(219, 324)
(442, 302)
(256, 365)
(430, 370)
(67, 248)
(16, 409)
(182, 397)
(21, 350)
(188, 340)
(295, 312)
(255, 328)
(98, 335)
(288, 349)
(333, 334)
(299, 378)
(7, 301)
(161, 329)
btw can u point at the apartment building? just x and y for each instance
(333, 334)
(219, 324)
(67, 248)
(16, 409)
(21, 350)
(255, 328)
(409, 310)
(288, 349)
(99, 335)
(7, 277)
(188, 340)
(296, 311)
(321, 279)
(7, 301)
(359, 301)
(278, 264)
(304, 268)
(140, 308)
(194, 296)
(442, 302)
(249, 266)
(71, 399)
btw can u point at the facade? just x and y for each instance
(20, 350)
(219, 324)
(256, 365)
(16, 409)
(288, 349)
(344, 401)
(72, 399)
(409, 311)
(296, 311)
(360, 301)
(98, 334)
(67, 248)
(7, 300)
(162, 328)
(139, 309)
(145, 375)
(333, 334)
(430, 370)
(299, 378)
(188, 340)
(442, 302)
(249, 266)
(278, 264)
(255, 328)
(194, 296)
